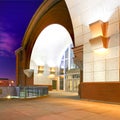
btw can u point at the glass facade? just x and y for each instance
(69, 82)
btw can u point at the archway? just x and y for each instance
(50, 12)
(47, 53)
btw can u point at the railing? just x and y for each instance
(23, 92)
(33, 91)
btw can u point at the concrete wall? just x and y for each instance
(97, 67)
(101, 72)
(40, 78)
(104, 67)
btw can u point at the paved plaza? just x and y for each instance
(58, 106)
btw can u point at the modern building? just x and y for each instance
(93, 27)
(70, 79)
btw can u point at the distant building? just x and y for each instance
(4, 82)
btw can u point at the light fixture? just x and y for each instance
(8, 97)
(99, 42)
(28, 72)
(61, 71)
(52, 70)
(52, 73)
(99, 39)
(40, 69)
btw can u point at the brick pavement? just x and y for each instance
(57, 107)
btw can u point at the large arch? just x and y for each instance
(50, 12)
(47, 53)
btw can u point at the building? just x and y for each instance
(93, 28)
(5, 82)
(72, 80)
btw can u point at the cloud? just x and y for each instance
(7, 44)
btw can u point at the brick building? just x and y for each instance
(4, 82)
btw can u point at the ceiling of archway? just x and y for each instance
(89, 11)
(50, 45)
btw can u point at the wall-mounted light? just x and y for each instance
(99, 39)
(61, 71)
(28, 72)
(40, 69)
(52, 70)
(52, 73)
(99, 42)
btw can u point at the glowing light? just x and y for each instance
(51, 76)
(52, 70)
(39, 74)
(101, 51)
(8, 97)
(61, 76)
(40, 69)
(12, 81)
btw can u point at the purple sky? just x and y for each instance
(15, 16)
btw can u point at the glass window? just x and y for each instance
(66, 53)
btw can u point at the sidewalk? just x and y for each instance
(57, 107)
(62, 93)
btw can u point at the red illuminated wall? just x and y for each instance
(4, 82)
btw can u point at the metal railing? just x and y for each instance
(23, 91)
(33, 91)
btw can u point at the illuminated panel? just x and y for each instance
(99, 39)
(40, 69)
(99, 28)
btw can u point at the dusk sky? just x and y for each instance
(15, 16)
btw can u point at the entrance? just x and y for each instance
(61, 84)
(54, 84)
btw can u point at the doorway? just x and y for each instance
(54, 84)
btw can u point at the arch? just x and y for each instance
(47, 52)
(50, 46)
(50, 12)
